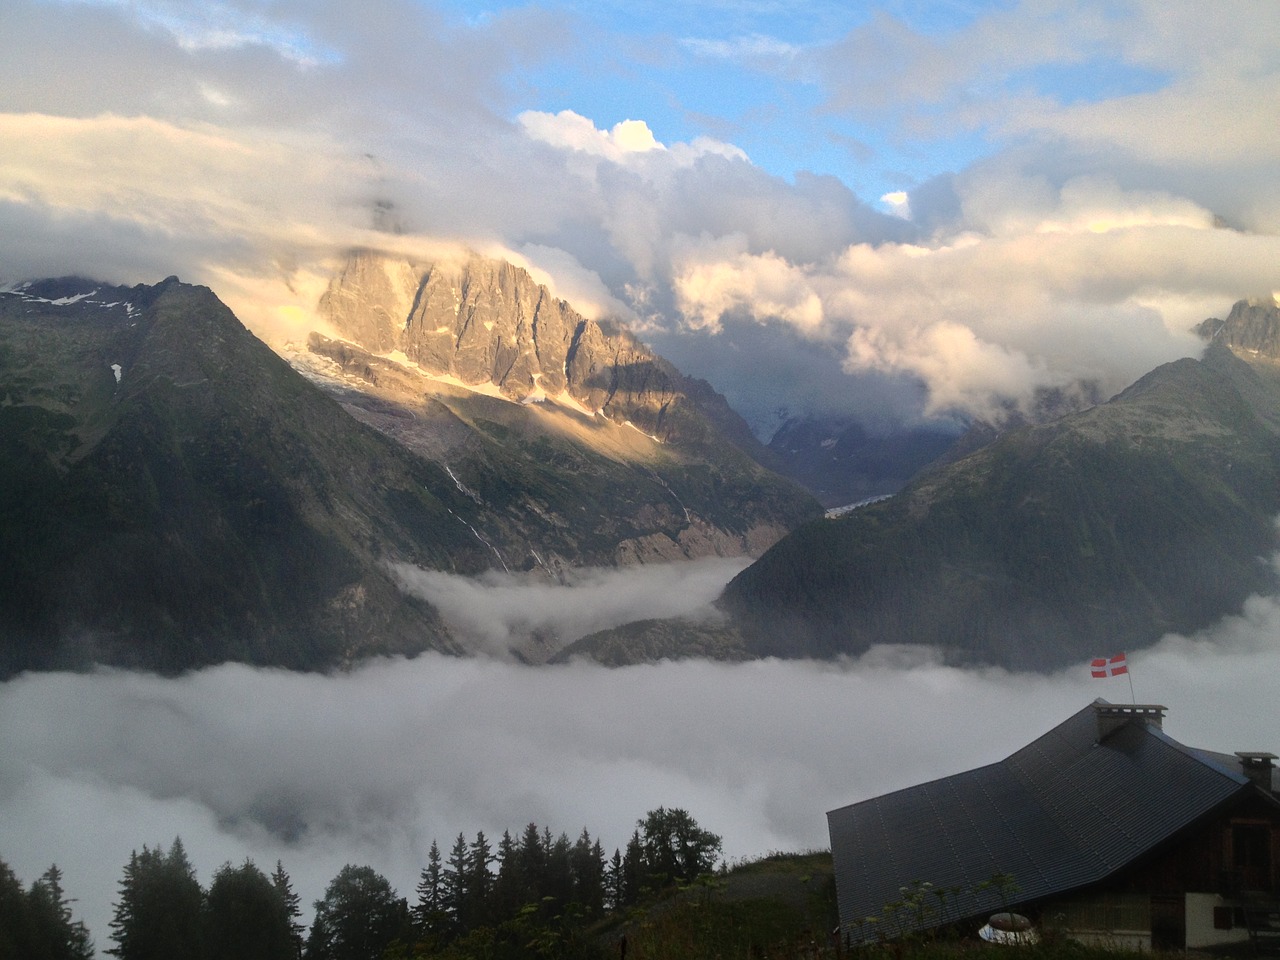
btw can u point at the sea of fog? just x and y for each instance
(368, 767)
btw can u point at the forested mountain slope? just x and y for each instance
(1153, 512)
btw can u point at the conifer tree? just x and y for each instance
(506, 886)
(292, 902)
(247, 917)
(587, 861)
(429, 914)
(531, 861)
(14, 929)
(158, 914)
(61, 938)
(455, 884)
(558, 885)
(634, 876)
(479, 886)
(613, 881)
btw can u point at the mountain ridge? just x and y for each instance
(178, 494)
(171, 498)
(1103, 530)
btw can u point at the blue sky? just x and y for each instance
(731, 70)
(1073, 183)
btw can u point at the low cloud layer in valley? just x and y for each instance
(370, 766)
(501, 611)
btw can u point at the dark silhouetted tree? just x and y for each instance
(634, 876)
(429, 914)
(292, 902)
(246, 917)
(359, 917)
(507, 888)
(675, 848)
(158, 915)
(478, 888)
(59, 936)
(557, 890)
(14, 934)
(613, 881)
(587, 861)
(455, 884)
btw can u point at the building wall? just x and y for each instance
(1168, 899)
(1202, 931)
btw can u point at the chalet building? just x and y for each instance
(1105, 829)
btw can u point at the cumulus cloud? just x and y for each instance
(370, 766)
(715, 279)
(246, 146)
(572, 131)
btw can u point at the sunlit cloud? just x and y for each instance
(1113, 183)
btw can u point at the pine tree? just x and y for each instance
(587, 861)
(634, 875)
(531, 858)
(429, 914)
(292, 902)
(61, 937)
(613, 881)
(506, 887)
(15, 936)
(158, 914)
(247, 917)
(456, 877)
(558, 890)
(479, 885)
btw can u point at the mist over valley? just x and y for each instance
(423, 417)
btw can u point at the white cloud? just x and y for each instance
(571, 131)
(753, 46)
(245, 146)
(715, 278)
(899, 203)
(500, 612)
(369, 766)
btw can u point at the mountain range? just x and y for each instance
(1099, 531)
(176, 493)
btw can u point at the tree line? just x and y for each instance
(537, 894)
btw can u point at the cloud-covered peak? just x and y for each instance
(1036, 193)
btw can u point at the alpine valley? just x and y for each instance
(174, 493)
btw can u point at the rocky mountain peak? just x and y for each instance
(1252, 329)
(486, 321)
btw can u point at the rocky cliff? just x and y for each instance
(580, 445)
(487, 321)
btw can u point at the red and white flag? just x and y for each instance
(1104, 667)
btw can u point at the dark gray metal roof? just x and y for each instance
(1066, 810)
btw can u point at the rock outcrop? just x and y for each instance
(488, 322)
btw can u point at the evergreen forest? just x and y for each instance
(537, 894)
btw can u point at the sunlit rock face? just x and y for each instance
(575, 443)
(488, 322)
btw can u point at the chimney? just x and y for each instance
(1113, 716)
(1257, 766)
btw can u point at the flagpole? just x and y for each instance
(1129, 673)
